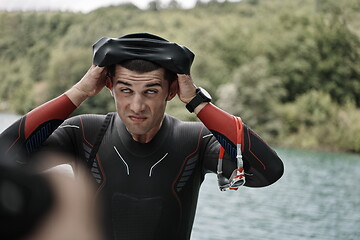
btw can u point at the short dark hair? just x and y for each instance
(142, 66)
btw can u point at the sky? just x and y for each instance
(78, 5)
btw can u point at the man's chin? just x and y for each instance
(136, 131)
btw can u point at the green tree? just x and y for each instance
(154, 5)
(321, 54)
(173, 4)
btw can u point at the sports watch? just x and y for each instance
(201, 96)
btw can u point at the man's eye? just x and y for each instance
(125, 90)
(151, 91)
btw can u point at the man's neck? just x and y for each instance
(147, 137)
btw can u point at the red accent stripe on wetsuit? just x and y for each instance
(222, 122)
(179, 175)
(58, 108)
(19, 135)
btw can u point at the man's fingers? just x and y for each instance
(187, 88)
(185, 78)
(97, 72)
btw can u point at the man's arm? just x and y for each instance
(261, 162)
(26, 135)
(22, 138)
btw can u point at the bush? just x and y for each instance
(315, 121)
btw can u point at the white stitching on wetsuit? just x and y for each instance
(157, 163)
(127, 166)
(209, 135)
(69, 126)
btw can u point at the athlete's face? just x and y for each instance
(140, 100)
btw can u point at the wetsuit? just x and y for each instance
(148, 190)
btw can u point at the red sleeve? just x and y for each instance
(220, 121)
(58, 108)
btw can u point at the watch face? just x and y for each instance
(205, 94)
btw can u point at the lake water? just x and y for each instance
(317, 198)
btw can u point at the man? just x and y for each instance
(148, 166)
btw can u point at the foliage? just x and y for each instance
(289, 68)
(253, 95)
(324, 55)
(314, 120)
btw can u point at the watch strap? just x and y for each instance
(197, 100)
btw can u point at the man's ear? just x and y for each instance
(173, 90)
(109, 85)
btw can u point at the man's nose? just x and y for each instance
(137, 104)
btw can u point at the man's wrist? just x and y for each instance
(186, 101)
(76, 95)
(200, 107)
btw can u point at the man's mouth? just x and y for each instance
(137, 118)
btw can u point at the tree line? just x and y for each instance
(289, 68)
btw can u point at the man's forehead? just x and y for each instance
(141, 78)
(124, 75)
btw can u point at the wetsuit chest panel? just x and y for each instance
(142, 178)
(148, 176)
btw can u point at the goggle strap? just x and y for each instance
(237, 178)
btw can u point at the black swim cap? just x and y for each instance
(174, 57)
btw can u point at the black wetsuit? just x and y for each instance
(148, 190)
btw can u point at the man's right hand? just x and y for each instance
(91, 84)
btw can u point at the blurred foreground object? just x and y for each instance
(54, 205)
(25, 199)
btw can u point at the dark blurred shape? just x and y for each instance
(25, 199)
